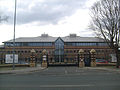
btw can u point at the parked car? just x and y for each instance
(101, 61)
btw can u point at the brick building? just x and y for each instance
(59, 49)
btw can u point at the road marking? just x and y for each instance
(65, 85)
(50, 86)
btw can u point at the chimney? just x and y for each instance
(44, 35)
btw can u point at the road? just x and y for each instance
(62, 78)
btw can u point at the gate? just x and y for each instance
(87, 59)
(62, 60)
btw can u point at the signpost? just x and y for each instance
(9, 58)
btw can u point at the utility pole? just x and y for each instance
(118, 61)
(119, 22)
(119, 15)
(14, 36)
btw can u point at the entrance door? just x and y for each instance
(59, 50)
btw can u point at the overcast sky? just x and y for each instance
(53, 17)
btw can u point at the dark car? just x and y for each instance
(101, 61)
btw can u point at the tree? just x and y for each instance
(3, 18)
(106, 23)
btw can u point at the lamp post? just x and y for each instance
(119, 16)
(14, 36)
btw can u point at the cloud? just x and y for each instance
(44, 11)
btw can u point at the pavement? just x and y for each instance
(22, 71)
(104, 68)
(35, 69)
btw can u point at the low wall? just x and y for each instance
(104, 64)
(16, 65)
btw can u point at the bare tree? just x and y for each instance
(3, 17)
(106, 23)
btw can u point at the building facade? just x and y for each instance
(59, 49)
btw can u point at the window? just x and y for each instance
(29, 44)
(40, 44)
(59, 49)
(102, 44)
(36, 51)
(22, 51)
(25, 51)
(86, 44)
(8, 52)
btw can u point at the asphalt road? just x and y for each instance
(62, 78)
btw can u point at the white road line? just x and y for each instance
(50, 86)
(65, 85)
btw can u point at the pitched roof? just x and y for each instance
(82, 39)
(47, 38)
(34, 39)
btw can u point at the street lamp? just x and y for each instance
(119, 26)
(14, 36)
